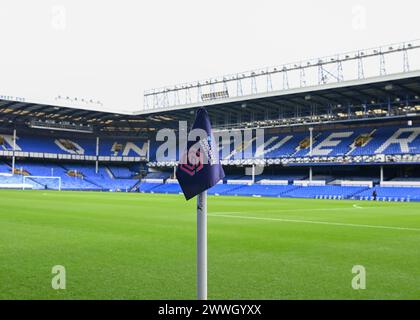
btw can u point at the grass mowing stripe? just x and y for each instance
(314, 222)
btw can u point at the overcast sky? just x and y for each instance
(113, 50)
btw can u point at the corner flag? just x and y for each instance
(198, 170)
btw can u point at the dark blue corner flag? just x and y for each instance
(199, 167)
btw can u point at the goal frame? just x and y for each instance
(42, 177)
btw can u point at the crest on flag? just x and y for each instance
(194, 166)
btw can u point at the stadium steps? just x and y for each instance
(84, 178)
(150, 190)
(285, 192)
(109, 172)
(289, 191)
(231, 191)
(63, 166)
(357, 193)
(153, 188)
(135, 186)
(7, 164)
(93, 183)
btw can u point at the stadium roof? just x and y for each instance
(355, 92)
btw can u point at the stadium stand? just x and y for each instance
(102, 179)
(324, 192)
(332, 145)
(338, 184)
(73, 177)
(391, 194)
(365, 139)
(292, 191)
(37, 146)
(394, 142)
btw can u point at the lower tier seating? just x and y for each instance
(292, 191)
(73, 177)
(391, 194)
(33, 175)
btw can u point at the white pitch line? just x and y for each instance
(295, 210)
(316, 222)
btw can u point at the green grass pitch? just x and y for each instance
(142, 246)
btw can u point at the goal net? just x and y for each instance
(42, 182)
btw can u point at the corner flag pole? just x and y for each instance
(202, 246)
(198, 170)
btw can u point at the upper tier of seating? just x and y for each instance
(75, 146)
(369, 141)
(331, 143)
